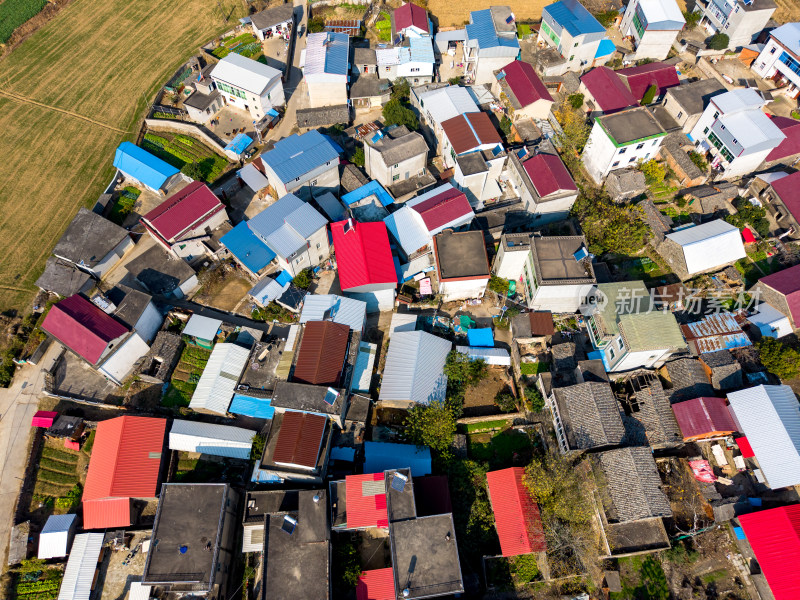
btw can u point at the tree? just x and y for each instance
(431, 425)
(401, 90)
(608, 226)
(395, 113)
(358, 157)
(698, 159)
(653, 171)
(454, 80)
(748, 213)
(692, 19)
(257, 449)
(505, 125)
(346, 567)
(534, 396)
(718, 41)
(649, 95)
(654, 580)
(779, 358)
(498, 285)
(575, 100)
(505, 401)
(461, 371)
(316, 24)
(303, 279)
(193, 171)
(574, 136)
(556, 486)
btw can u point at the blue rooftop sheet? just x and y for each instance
(482, 30)
(336, 146)
(381, 456)
(143, 166)
(336, 58)
(605, 48)
(574, 17)
(284, 277)
(248, 406)
(247, 247)
(340, 453)
(296, 155)
(421, 50)
(240, 143)
(481, 337)
(373, 187)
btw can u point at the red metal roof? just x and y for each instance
(789, 146)
(366, 501)
(525, 83)
(703, 417)
(788, 190)
(299, 439)
(787, 282)
(774, 536)
(609, 92)
(322, 353)
(363, 254)
(410, 14)
(469, 131)
(82, 327)
(548, 174)
(105, 513)
(516, 515)
(639, 79)
(748, 236)
(377, 584)
(188, 209)
(43, 418)
(125, 463)
(745, 448)
(443, 208)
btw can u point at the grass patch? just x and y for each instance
(523, 30)
(56, 477)
(58, 467)
(384, 28)
(124, 205)
(714, 576)
(200, 471)
(185, 377)
(245, 44)
(500, 448)
(484, 426)
(14, 13)
(87, 446)
(534, 368)
(60, 455)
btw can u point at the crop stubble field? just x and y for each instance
(69, 95)
(455, 14)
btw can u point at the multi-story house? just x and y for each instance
(577, 36)
(306, 165)
(780, 58)
(544, 185)
(326, 67)
(740, 20)
(491, 43)
(248, 84)
(653, 25)
(398, 155)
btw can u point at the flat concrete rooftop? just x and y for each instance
(555, 261)
(631, 125)
(461, 254)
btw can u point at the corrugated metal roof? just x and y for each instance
(187, 209)
(143, 166)
(223, 369)
(703, 417)
(447, 102)
(469, 131)
(327, 53)
(653, 330)
(105, 513)
(664, 13)
(573, 17)
(54, 538)
(769, 416)
(365, 365)
(714, 332)
(414, 368)
(245, 73)
(442, 207)
(710, 245)
(322, 353)
(481, 30)
(286, 225)
(366, 501)
(202, 327)
(247, 247)
(410, 15)
(363, 255)
(253, 538)
(338, 309)
(770, 321)
(384, 456)
(267, 290)
(139, 591)
(368, 189)
(210, 438)
(259, 408)
(516, 515)
(774, 536)
(387, 56)
(408, 229)
(402, 322)
(420, 50)
(376, 584)
(296, 155)
(300, 439)
(491, 356)
(82, 563)
(254, 178)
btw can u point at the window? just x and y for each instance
(320, 258)
(615, 164)
(647, 155)
(631, 159)
(705, 130)
(317, 246)
(611, 354)
(314, 182)
(680, 114)
(640, 146)
(717, 143)
(772, 51)
(395, 177)
(575, 46)
(716, 114)
(623, 151)
(620, 344)
(395, 166)
(655, 141)
(572, 57)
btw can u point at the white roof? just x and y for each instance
(658, 11)
(338, 309)
(121, 363)
(492, 356)
(387, 56)
(202, 327)
(139, 591)
(402, 322)
(54, 538)
(79, 574)
(788, 35)
(414, 369)
(710, 245)
(223, 369)
(253, 537)
(209, 438)
(408, 228)
(253, 178)
(421, 264)
(770, 321)
(769, 416)
(245, 73)
(738, 100)
(448, 102)
(267, 290)
(772, 177)
(752, 128)
(365, 364)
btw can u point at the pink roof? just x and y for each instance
(788, 190)
(409, 15)
(744, 447)
(703, 416)
(363, 254)
(608, 90)
(377, 584)
(748, 236)
(43, 418)
(516, 515)
(789, 146)
(774, 536)
(640, 78)
(525, 83)
(106, 513)
(82, 327)
(365, 508)
(548, 174)
(188, 209)
(443, 208)
(787, 282)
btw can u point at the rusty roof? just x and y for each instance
(322, 353)
(541, 322)
(469, 131)
(299, 439)
(714, 332)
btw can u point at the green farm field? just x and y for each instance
(69, 94)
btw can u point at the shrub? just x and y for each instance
(748, 213)
(316, 24)
(346, 568)
(779, 358)
(431, 425)
(457, 81)
(358, 157)
(719, 41)
(575, 100)
(653, 171)
(303, 279)
(395, 113)
(505, 125)
(498, 285)
(698, 160)
(608, 226)
(649, 95)
(535, 398)
(524, 568)
(401, 90)
(192, 170)
(692, 19)
(259, 441)
(607, 17)
(505, 401)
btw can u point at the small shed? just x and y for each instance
(209, 438)
(491, 356)
(770, 321)
(56, 536)
(201, 331)
(44, 418)
(481, 337)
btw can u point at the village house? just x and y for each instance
(653, 25)
(462, 266)
(368, 92)
(337, 309)
(211, 439)
(297, 449)
(702, 248)
(781, 291)
(412, 60)
(214, 390)
(686, 102)
(639, 79)
(713, 332)
(491, 43)
(586, 416)
(544, 185)
(247, 249)
(604, 92)
(205, 100)
(477, 174)
(144, 169)
(787, 153)
(322, 116)
(781, 197)
(325, 65)
(280, 290)
(522, 92)
(160, 273)
(274, 21)
(410, 20)
(704, 418)
(249, 85)
(439, 105)
(740, 20)
(723, 370)
(414, 369)
(467, 133)
(56, 536)
(685, 380)
(397, 155)
(649, 418)
(516, 514)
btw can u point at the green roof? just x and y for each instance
(651, 331)
(620, 296)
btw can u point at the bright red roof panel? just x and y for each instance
(443, 208)
(608, 90)
(639, 79)
(363, 254)
(182, 211)
(548, 174)
(82, 327)
(789, 146)
(105, 513)
(516, 515)
(377, 584)
(525, 83)
(43, 418)
(704, 416)
(410, 14)
(744, 447)
(366, 501)
(774, 536)
(787, 282)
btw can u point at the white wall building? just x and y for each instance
(703, 248)
(275, 21)
(780, 58)
(576, 35)
(391, 159)
(437, 106)
(544, 185)
(325, 68)
(210, 438)
(740, 20)
(56, 536)
(249, 84)
(653, 25)
(491, 43)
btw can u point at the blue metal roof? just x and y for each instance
(605, 48)
(420, 50)
(240, 143)
(296, 155)
(573, 17)
(286, 224)
(337, 53)
(373, 187)
(481, 337)
(382, 456)
(248, 406)
(482, 30)
(143, 166)
(247, 247)
(340, 453)
(284, 277)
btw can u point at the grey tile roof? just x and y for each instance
(62, 277)
(693, 97)
(396, 150)
(369, 86)
(159, 271)
(633, 484)
(272, 16)
(564, 358)
(654, 411)
(130, 303)
(323, 116)
(89, 238)
(590, 414)
(287, 224)
(687, 380)
(352, 178)
(364, 56)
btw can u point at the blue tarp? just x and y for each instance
(284, 277)
(481, 337)
(248, 406)
(381, 456)
(373, 187)
(597, 355)
(143, 166)
(273, 113)
(339, 453)
(247, 247)
(240, 143)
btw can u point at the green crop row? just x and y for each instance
(59, 455)
(37, 586)
(54, 465)
(162, 115)
(49, 476)
(185, 139)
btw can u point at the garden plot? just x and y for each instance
(180, 150)
(185, 377)
(60, 476)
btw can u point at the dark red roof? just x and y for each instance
(788, 190)
(525, 83)
(548, 174)
(410, 14)
(82, 327)
(787, 282)
(639, 79)
(791, 145)
(363, 254)
(516, 515)
(299, 439)
(744, 447)
(609, 92)
(468, 131)
(366, 501)
(443, 208)
(377, 584)
(703, 417)
(186, 210)
(774, 536)
(322, 353)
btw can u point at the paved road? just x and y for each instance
(17, 407)
(291, 86)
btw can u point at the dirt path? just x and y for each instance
(25, 100)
